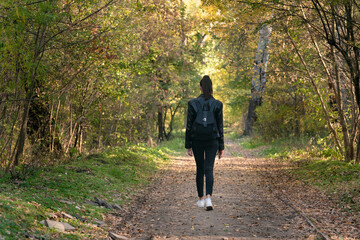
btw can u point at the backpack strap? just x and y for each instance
(211, 104)
(195, 105)
(199, 105)
(204, 116)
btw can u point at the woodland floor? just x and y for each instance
(254, 198)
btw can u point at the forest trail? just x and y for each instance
(243, 207)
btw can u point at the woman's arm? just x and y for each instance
(220, 125)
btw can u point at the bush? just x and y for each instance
(289, 112)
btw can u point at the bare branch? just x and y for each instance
(80, 21)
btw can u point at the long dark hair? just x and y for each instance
(206, 86)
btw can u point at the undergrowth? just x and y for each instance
(112, 175)
(176, 144)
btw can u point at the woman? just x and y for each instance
(205, 138)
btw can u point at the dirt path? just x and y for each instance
(243, 207)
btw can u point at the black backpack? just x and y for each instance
(204, 126)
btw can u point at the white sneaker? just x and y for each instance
(208, 204)
(201, 203)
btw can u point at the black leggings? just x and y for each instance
(205, 153)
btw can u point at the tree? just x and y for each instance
(259, 79)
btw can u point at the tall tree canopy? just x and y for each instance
(80, 75)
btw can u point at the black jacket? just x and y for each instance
(218, 111)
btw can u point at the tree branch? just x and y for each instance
(80, 21)
(331, 127)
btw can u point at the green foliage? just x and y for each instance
(97, 74)
(112, 175)
(294, 148)
(281, 120)
(289, 106)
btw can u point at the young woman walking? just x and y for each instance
(204, 138)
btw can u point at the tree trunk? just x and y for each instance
(160, 125)
(53, 134)
(296, 116)
(357, 158)
(171, 123)
(22, 134)
(99, 130)
(259, 78)
(340, 63)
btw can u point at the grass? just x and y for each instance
(112, 175)
(250, 143)
(176, 144)
(232, 134)
(315, 162)
(338, 178)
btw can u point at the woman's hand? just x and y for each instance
(189, 152)
(220, 153)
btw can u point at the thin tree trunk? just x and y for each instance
(22, 134)
(99, 130)
(259, 78)
(160, 125)
(54, 132)
(171, 123)
(71, 121)
(164, 122)
(71, 137)
(348, 145)
(77, 135)
(9, 142)
(50, 125)
(80, 139)
(296, 116)
(342, 76)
